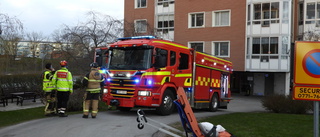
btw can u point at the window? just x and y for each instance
(196, 20)
(198, 46)
(300, 16)
(221, 18)
(257, 13)
(265, 45)
(172, 58)
(311, 10)
(161, 58)
(165, 21)
(141, 26)
(221, 49)
(266, 13)
(184, 61)
(248, 15)
(165, 3)
(140, 3)
(312, 13)
(285, 13)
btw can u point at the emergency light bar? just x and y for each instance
(137, 37)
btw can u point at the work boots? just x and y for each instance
(85, 116)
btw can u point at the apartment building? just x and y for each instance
(307, 20)
(254, 34)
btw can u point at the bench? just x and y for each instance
(4, 97)
(3, 100)
(20, 94)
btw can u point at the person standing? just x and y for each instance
(94, 82)
(64, 85)
(49, 90)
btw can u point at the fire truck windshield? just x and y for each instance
(130, 59)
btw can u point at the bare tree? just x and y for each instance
(34, 38)
(97, 30)
(11, 30)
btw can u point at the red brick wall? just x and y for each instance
(131, 14)
(234, 33)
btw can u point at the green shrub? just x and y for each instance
(75, 102)
(285, 104)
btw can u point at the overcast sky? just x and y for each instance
(48, 15)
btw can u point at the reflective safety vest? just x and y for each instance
(47, 85)
(63, 80)
(94, 79)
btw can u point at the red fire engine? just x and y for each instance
(146, 72)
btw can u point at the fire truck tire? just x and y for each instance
(213, 106)
(124, 109)
(167, 106)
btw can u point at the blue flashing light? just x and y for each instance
(136, 80)
(149, 82)
(108, 79)
(103, 70)
(137, 37)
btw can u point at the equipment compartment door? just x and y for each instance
(202, 83)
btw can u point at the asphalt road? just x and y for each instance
(115, 123)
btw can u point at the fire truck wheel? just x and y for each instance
(213, 106)
(166, 107)
(124, 109)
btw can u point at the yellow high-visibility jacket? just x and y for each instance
(63, 80)
(47, 85)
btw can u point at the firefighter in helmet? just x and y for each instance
(64, 85)
(49, 90)
(94, 82)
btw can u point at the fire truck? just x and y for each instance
(144, 71)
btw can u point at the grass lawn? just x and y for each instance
(8, 118)
(263, 124)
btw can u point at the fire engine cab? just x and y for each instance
(144, 71)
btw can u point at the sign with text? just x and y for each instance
(307, 71)
(306, 93)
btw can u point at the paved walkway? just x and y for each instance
(26, 104)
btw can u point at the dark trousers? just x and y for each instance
(63, 98)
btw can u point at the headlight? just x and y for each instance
(105, 90)
(144, 93)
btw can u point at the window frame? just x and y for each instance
(268, 46)
(202, 42)
(190, 18)
(214, 14)
(264, 15)
(214, 47)
(136, 6)
(135, 26)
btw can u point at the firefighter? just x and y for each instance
(94, 82)
(64, 85)
(49, 90)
